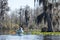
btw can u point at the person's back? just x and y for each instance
(20, 31)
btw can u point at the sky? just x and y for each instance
(16, 4)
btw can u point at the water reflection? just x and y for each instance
(24, 37)
(47, 37)
(29, 37)
(50, 37)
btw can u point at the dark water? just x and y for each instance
(55, 37)
(28, 37)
